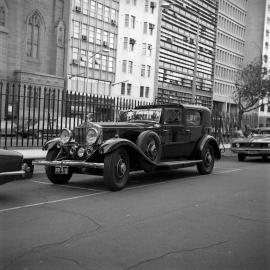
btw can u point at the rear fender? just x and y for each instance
(208, 139)
(133, 150)
(51, 144)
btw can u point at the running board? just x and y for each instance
(177, 164)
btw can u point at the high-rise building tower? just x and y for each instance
(230, 51)
(187, 51)
(92, 44)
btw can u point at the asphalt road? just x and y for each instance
(170, 220)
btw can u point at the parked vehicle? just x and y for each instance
(149, 138)
(13, 165)
(256, 144)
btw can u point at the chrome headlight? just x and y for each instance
(91, 136)
(237, 145)
(80, 152)
(66, 135)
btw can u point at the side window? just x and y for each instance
(173, 116)
(193, 118)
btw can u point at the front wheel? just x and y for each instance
(208, 160)
(116, 169)
(59, 179)
(241, 157)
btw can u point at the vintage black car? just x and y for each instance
(13, 166)
(152, 137)
(256, 144)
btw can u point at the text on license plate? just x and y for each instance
(61, 170)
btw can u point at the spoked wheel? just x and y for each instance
(50, 170)
(208, 160)
(116, 169)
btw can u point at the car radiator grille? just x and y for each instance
(80, 135)
(255, 145)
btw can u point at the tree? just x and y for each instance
(252, 87)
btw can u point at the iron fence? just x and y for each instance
(32, 114)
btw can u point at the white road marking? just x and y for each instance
(50, 202)
(104, 192)
(66, 186)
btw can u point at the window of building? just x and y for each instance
(106, 14)
(144, 49)
(129, 89)
(112, 38)
(141, 91)
(99, 11)
(147, 91)
(85, 7)
(84, 30)
(110, 64)
(151, 28)
(83, 58)
(262, 108)
(103, 62)
(2, 16)
(76, 29)
(33, 35)
(123, 88)
(98, 36)
(124, 66)
(97, 61)
(148, 71)
(130, 67)
(146, 5)
(133, 20)
(91, 34)
(78, 3)
(105, 38)
(143, 70)
(75, 53)
(126, 20)
(145, 24)
(149, 49)
(93, 9)
(125, 45)
(113, 14)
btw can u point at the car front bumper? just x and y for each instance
(251, 151)
(70, 163)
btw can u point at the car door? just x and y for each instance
(193, 118)
(174, 137)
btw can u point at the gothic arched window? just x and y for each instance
(33, 35)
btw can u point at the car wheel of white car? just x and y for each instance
(59, 179)
(208, 160)
(116, 169)
(241, 157)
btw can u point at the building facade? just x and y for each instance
(32, 41)
(92, 46)
(230, 51)
(136, 51)
(187, 52)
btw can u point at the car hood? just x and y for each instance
(253, 139)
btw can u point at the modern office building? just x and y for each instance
(187, 51)
(136, 50)
(258, 45)
(230, 51)
(92, 46)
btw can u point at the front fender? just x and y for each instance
(51, 143)
(208, 139)
(113, 144)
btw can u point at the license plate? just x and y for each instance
(61, 170)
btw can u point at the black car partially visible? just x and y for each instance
(12, 166)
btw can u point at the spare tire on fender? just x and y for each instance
(150, 143)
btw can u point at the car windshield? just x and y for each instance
(152, 114)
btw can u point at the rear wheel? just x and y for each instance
(208, 160)
(241, 157)
(116, 169)
(59, 179)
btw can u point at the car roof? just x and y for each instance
(172, 105)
